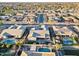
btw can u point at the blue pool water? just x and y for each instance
(9, 41)
(67, 41)
(43, 50)
(40, 18)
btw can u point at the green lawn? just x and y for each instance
(1, 22)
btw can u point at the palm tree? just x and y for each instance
(1, 22)
(76, 38)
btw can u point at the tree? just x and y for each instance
(76, 38)
(1, 13)
(20, 6)
(7, 10)
(1, 22)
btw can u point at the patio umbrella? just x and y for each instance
(8, 41)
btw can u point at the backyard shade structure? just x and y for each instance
(9, 41)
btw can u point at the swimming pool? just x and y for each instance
(43, 50)
(9, 41)
(67, 40)
(40, 18)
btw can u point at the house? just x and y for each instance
(16, 31)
